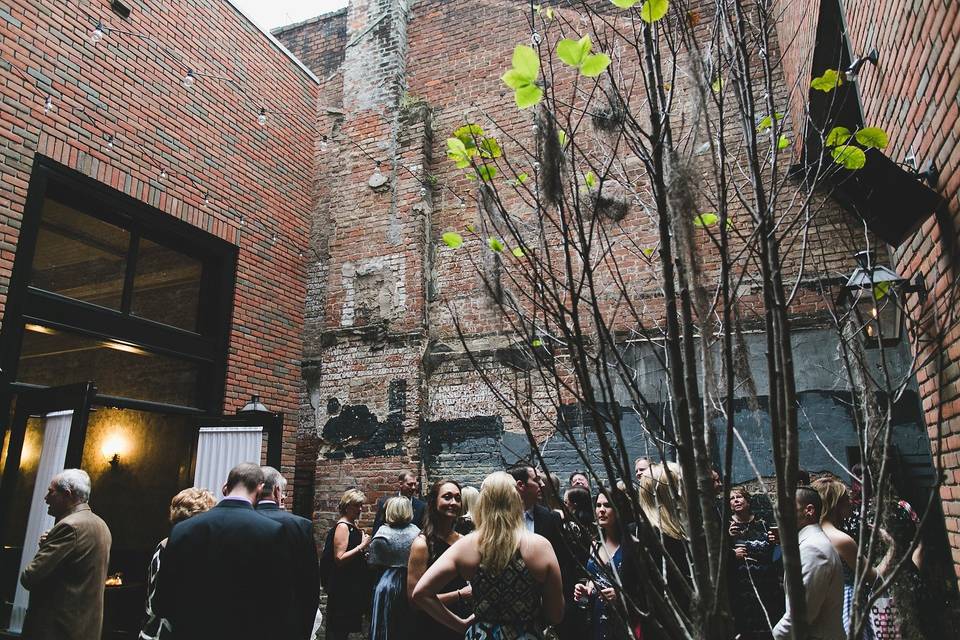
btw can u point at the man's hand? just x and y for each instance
(43, 536)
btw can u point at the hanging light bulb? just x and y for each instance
(242, 221)
(97, 34)
(273, 239)
(188, 79)
(48, 105)
(163, 174)
(262, 118)
(323, 143)
(109, 139)
(206, 200)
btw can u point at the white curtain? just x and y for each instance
(221, 449)
(56, 434)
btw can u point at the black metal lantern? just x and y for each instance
(875, 295)
(254, 405)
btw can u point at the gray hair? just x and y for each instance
(73, 481)
(272, 478)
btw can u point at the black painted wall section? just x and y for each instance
(356, 431)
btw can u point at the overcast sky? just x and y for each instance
(269, 14)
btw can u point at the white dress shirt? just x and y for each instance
(528, 519)
(823, 584)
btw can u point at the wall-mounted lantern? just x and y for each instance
(254, 405)
(875, 295)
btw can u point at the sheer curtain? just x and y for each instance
(56, 434)
(219, 449)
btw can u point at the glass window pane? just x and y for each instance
(166, 287)
(79, 256)
(55, 357)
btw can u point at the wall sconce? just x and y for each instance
(875, 296)
(254, 405)
(853, 71)
(113, 448)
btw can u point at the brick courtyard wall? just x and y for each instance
(914, 95)
(259, 179)
(388, 384)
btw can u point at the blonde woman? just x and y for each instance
(348, 594)
(184, 505)
(500, 553)
(662, 505)
(836, 507)
(389, 553)
(466, 524)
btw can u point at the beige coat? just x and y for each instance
(66, 579)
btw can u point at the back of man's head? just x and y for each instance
(246, 474)
(520, 472)
(272, 479)
(806, 497)
(75, 482)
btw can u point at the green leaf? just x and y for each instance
(717, 85)
(490, 148)
(486, 172)
(590, 179)
(837, 136)
(648, 251)
(595, 64)
(562, 137)
(515, 80)
(521, 178)
(452, 239)
(766, 122)
(518, 252)
(704, 220)
(526, 62)
(624, 4)
(880, 290)
(537, 342)
(457, 152)
(653, 10)
(783, 142)
(830, 80)
(850, 157)
(471, 228)
(528, 96)
(872, 138)
(468, 133)
(495, 244)
(546, 12)
(573, 52)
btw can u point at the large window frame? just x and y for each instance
(208, 347)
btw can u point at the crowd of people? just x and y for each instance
(505, 561)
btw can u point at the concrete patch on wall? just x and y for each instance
(374, 290)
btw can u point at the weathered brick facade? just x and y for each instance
(914, 95)
(388, 383)
(206, 139)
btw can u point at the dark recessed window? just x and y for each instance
(166, 287)
(79, 256)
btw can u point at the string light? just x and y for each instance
(163, 174)
(109, 139)
(48, 105)
(206, 200)
(262, 118)
(97, 34)
(188, 79)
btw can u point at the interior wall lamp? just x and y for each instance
(853, 71)
(875, 295)
(113, 448)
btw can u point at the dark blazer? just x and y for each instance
(419, 507)
(221, 573)
(306, 567)
(66, 579)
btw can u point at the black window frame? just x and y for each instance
(208, 346)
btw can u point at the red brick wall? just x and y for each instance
(914, 95)
(260, 179)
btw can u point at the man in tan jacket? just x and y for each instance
(66, 577)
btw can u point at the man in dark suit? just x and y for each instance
(221, 566)
(407, 487)
(303, 548)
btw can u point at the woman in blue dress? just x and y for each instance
(388, 554)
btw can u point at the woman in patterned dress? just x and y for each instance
(517, 589)
(184, 505)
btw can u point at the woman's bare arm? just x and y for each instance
(426, 592)
(341, 538)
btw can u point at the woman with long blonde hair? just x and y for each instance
(500, 552)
